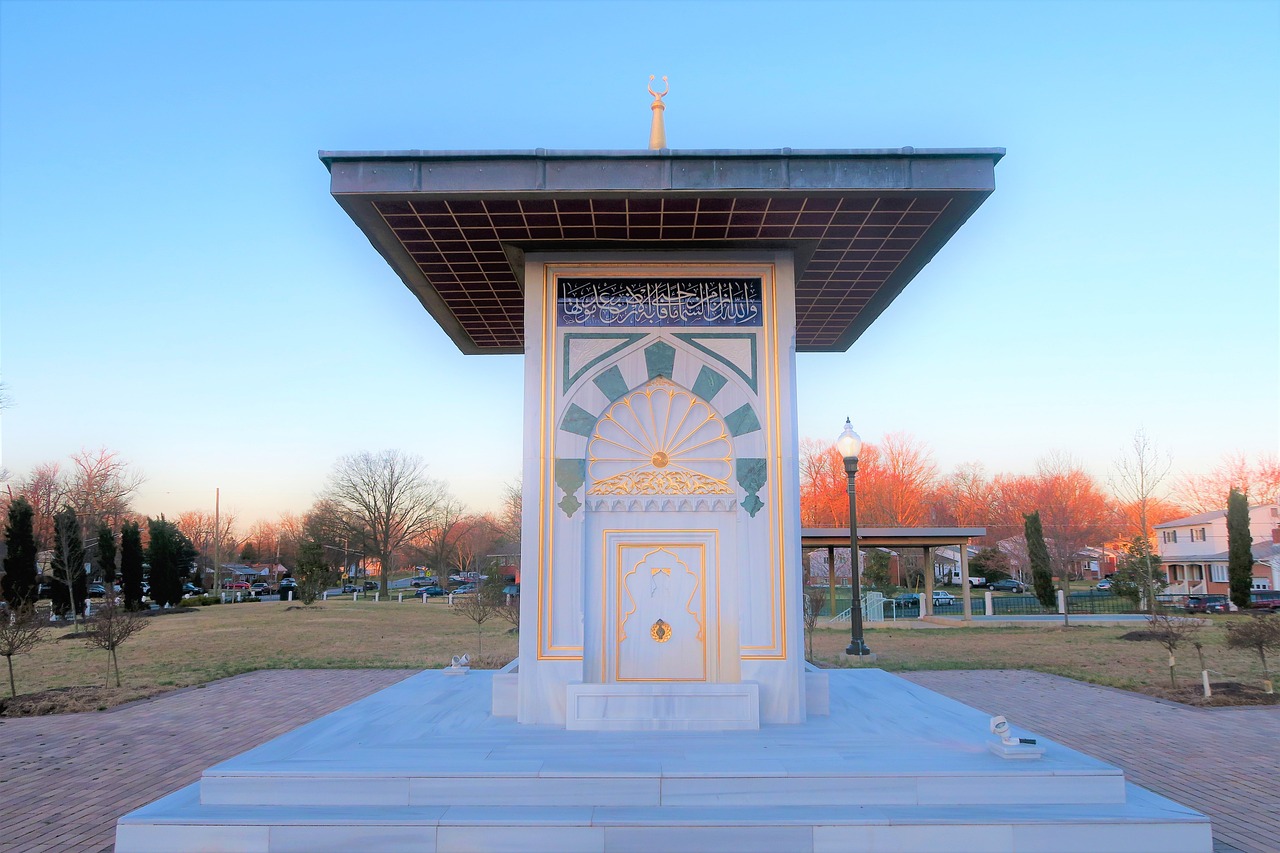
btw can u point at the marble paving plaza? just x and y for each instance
(121, 759)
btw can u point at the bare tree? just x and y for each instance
(1258, 633)
(21, 630)
(1075, 512)
(474, 539)
(45, 489)
(100, 486)
(211, 534)
(510, 611)
(113, 624)
(390, 496)
(815, 598)
(511, 516)
(1259, 480)
(439, 541)
(1172, 631)
(479, 606)
(1136, 481)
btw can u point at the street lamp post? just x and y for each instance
(850, 445)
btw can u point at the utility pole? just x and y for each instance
(217, 523)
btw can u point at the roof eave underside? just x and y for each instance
(361, 180)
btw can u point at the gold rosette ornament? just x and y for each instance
(660, 440)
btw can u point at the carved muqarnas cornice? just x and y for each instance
(662, 504)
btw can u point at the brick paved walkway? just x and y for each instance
(1221, 761)
(97, 767)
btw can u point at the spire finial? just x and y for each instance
(658, 131)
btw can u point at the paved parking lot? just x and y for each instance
(92, 768)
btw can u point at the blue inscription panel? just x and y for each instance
(692, 301)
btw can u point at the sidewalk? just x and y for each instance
(93, 768)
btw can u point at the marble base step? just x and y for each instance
(423, 765)
(1143, 822)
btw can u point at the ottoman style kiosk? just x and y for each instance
(661, 700)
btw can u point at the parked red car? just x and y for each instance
(1265, 599)
(1211, 603)
(236, 585)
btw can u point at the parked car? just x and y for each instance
(429, 591)
(190, 589)
(233, 585)
(288, 585)
(1103, 585)
(1007, 585)
(511, 589)
(1265, 599)
(350, 587)
(369, 586)
(942, 598)
(261, 588)
(96, 590)
(907, 600)
(427, 581)
(1207, 604)
(465, 589)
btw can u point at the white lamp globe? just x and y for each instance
(849, 444)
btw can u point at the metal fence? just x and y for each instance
(1084, 602)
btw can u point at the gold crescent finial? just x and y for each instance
(658, 130)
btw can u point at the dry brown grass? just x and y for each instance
(180, 649)
(203, 644)
(1096, 654)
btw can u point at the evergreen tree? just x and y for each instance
(314, 573)
(1139, 571)
(20, 583)
(1038, 557)
(70, 586)
(131, 564)
(105, 561)
(991, 564)
(170, 555)
(1239, 549)
(875, 574)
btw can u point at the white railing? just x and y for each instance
(872, 609)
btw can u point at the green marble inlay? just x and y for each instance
(623, 341)
(578, 420)
(611, 383)
(709, 383)
(692, 340)
(660, 358)
(742, 420)
(570, 475)
(752, 474)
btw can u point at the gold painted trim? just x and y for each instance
(700, 581)
(708, 533)
(552, 271)
(778, 588)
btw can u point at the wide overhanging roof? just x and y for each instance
(456, 225)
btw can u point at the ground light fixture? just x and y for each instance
(850, 445)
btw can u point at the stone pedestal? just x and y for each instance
(663, 706)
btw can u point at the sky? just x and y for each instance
(177, 284)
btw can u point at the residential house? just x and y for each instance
(1090, 564)
(1193, 550)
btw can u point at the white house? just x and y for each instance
(1193, 550)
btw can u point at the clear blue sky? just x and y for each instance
(178, 285)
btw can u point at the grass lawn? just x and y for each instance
(1097, 654)
(181, 649)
